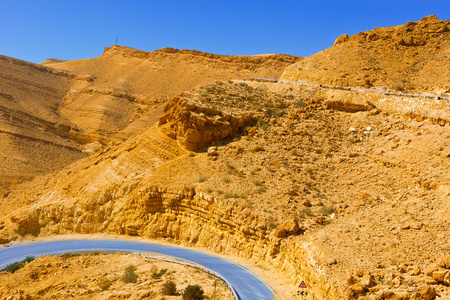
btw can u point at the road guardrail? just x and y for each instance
(356, 89)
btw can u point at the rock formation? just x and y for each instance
(408, 57)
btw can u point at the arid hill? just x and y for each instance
(54, 111)
(127, 81)
(414, 57)
(350, 202)
(34, 137)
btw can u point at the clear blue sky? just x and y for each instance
(34, 30)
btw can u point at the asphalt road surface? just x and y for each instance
(245, 283)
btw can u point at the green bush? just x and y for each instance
(157, 274)
(300, 103)
(103, 283)
(308, 212)
(261, 189)
(257, 182)
(169, 288)
(202, 179)
(18, 265)
(193, 292)
(130, 276)
(231, 195)
(270, 169)
(399, 87)
(327, 211)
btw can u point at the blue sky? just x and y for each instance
(34, 30)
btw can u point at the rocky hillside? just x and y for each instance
(57, 112)
(351, 201)
(125, 77)
(34, 138)
(414, 57)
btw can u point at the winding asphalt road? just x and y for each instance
(245, 283)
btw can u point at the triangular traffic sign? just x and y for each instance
(302, 285)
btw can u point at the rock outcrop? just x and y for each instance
(196, 120)
(413, 57)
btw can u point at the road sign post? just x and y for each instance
(302, 292)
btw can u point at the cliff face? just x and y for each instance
(414, 57)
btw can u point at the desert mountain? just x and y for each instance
(344, 190)
(412, 57)
(128, 81)
(348, 201)
(53, 111)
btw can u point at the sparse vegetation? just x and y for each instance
(193, 292)
(327, 211)
(275, 113)
(157, 274)
(130, 276)
(254, 171)
(104, 283)
(399, 87)
(308, 211)
(300, 103)
(231, 195)
(69, 255)
(261, 189)
(11, 268)
(202, 179)
(270, 169)
(169, 288)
